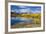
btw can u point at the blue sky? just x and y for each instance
(28, 9)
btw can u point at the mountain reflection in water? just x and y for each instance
(20, 20)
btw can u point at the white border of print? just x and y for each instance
(24, 29)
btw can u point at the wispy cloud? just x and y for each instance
(36, 11)
(26, 9)
(22, 6)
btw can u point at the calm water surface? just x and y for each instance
(15, 20)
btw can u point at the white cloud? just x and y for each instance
(21, 10)
(12, 11)
(36, 11)
(16, 10)
(38, 8)
(25, 10)
(22, 7)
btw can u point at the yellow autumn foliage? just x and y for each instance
(30, 15)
